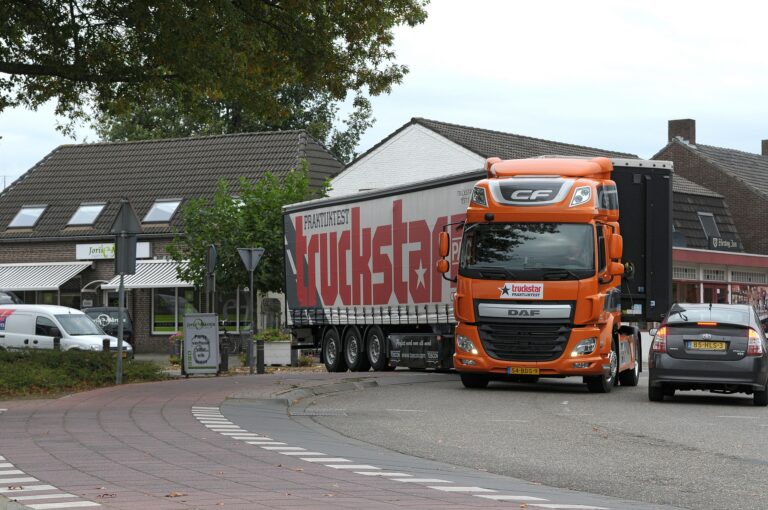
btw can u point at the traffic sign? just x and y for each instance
(126, 221)
(251, 257)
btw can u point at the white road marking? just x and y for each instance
(223, 426)
(352, 466)
(43, 496)
(6, 465)
(381, 473)
(222, 421)
(12, 472)
(208, 408)
(461, 489)
(260, 443)
(28, 488)
(406, 410)
(302, 453)
(68, 504)
(244, 433)
(22, 479)
(509, 497)
(245, 438)
(567, 507)
(326, 459)
(740, 417)
(421, 480)
(2, 458)
(286, 448)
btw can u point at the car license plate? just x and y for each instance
(522, 371)
(696, 345)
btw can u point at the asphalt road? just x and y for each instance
(699, 451)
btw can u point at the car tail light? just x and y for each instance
(755, 346)
(706, 323)
(660, 340)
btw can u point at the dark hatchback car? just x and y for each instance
(107, 318)
(712, 347)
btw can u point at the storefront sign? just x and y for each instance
(107, 251)
(720, 244)
(201, 344)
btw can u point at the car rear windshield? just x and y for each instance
(719, 315)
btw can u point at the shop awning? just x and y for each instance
(150, 274)
(39, 276)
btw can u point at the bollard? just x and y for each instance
(105, 345)
(224, 354)
(249, 353)
(260, 356)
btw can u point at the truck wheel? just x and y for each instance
(354, 353)
(332, 356)
(603, 383)
(632, 376)
(475, 381)
(375, 348)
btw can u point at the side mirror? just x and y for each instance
(616, 247)
(444, 241)
(443, 266)
(652, 331)
(616, 268)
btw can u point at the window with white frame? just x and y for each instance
(714, 275)
(27, 216)
(162, 211)
(86, 214)
(748, 277)
(684, 273)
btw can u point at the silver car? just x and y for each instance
(712, 347)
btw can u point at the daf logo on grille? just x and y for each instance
(522, 312)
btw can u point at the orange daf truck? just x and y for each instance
(560, 260)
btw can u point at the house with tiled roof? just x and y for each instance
(733, 264)
(55, 219)
(425, 149)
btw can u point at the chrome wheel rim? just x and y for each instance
(352, 349)
(614, 364)
(330, 351)
(374, 348)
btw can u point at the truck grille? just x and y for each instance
(524, 342)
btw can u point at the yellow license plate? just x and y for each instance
(696, 345)
(522, 371)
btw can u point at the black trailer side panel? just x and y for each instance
(645, 217)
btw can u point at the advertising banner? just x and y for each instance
(201, 344)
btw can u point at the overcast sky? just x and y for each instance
(604, 74)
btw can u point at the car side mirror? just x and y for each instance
(652, 331)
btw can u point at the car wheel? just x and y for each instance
(604, 382)
(332, 355)
(760, 398)
(475, 381)
(354, 353)
(375, 348)
(655, 393)
(632, 376)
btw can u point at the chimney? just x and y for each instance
(765, 148)
(684, 128)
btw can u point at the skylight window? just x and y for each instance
(86, 214)
(27, 216)
(162, 211)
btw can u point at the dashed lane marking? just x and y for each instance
(68, 504)
(20, 479)
(12, 487)
(38, 497)
(12, 472)
(211, 418)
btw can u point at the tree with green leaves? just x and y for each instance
(269, 58)
(247, 217)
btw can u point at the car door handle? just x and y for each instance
(34, 342)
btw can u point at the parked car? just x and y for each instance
(107, 318)
(719, 348)
(42, 326)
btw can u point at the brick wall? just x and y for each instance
(749, 210)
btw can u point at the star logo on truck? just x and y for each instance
(505, 290)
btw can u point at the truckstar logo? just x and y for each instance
(522, 290)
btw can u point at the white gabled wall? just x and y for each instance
(414, 154)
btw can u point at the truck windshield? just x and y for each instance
(76, 325)
(547, 251)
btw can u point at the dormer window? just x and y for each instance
(86, 214)
(27, 216)
(162, 211)
(709, 224)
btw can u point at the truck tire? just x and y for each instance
(376, 348)
(475, 381)
(332, 355)
(604, 383)
(354, 350)
(632, 376)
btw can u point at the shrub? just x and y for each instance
(272, 335)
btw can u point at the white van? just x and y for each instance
(36, 326)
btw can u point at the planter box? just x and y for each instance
(277, 353)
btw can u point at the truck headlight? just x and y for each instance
(478, 196)
(582, 195)
(465, 344)
(586, 346)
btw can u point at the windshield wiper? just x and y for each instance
(552, 273)
(491, 272)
